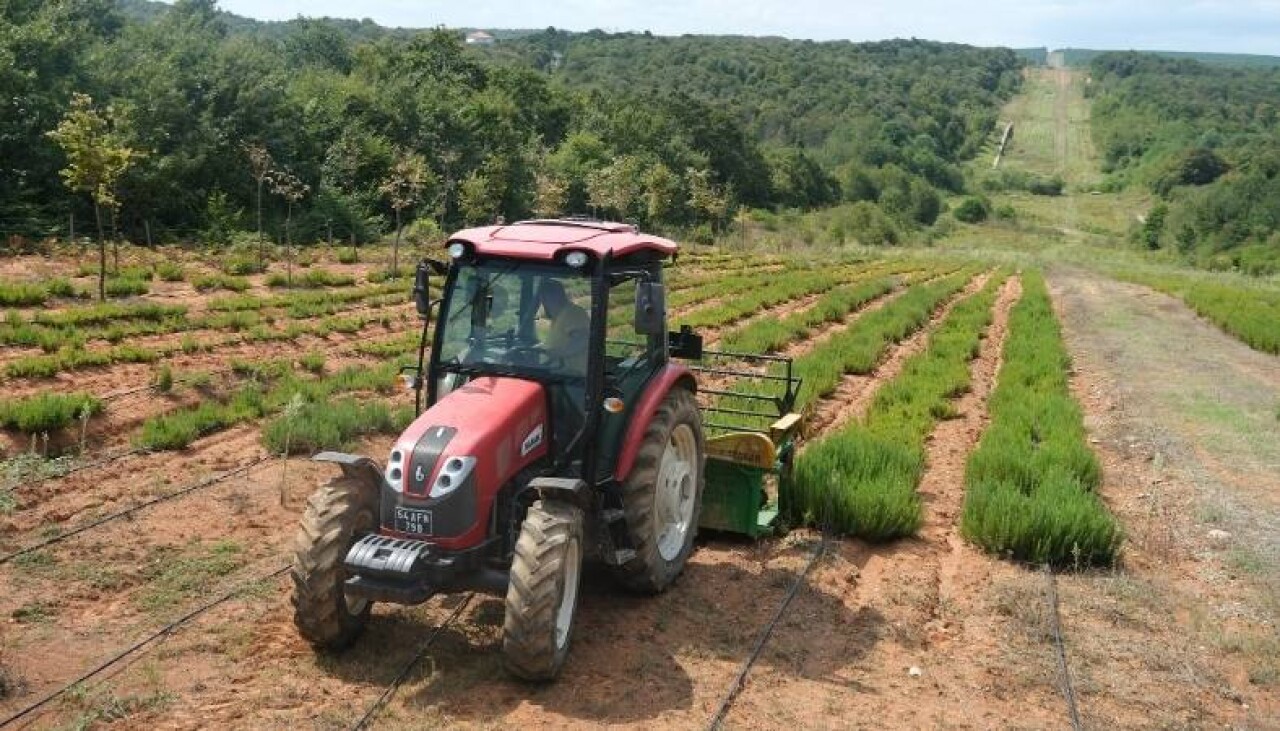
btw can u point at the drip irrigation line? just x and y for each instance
(1055, 624)
(740, 680)
(369, 714)
(87, 466)
(209, 482)
(137, 646)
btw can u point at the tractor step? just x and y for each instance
(392, 558)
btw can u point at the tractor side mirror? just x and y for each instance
(651, 308)
(422, 285)
(422, 290)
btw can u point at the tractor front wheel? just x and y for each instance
(662, 496)
(337, 515)
(542, 597)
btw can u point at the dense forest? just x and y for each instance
(1206, 140)
(345, 127)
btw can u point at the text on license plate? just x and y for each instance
(413, 520)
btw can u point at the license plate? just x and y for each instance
(413, 520)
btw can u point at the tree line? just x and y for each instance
(1204, 140)
(206, 125)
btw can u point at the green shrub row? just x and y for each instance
(768, 335)
(218, 280)
(324, 425)
(47, 411)
(783, 287)
(126, 287)
(71, 358)
(273, 386)
(862, 479)
(31, 294)
(310, 279)
(1031, 485)
(1250, 313)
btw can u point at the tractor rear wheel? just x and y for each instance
(662, 496)
(542, 597)
(337, 515)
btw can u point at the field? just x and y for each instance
(1022, 447)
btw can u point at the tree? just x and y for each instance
(661, 191)
(262, 166)
(474, 197)
(706, 198)
(405, 185)
(550, 195)
(96, 161)
(288, 186)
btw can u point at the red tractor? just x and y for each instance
(557, 430)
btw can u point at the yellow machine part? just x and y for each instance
(744, 448)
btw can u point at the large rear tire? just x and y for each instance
(542, 597)
(337, 515)
(662, 496)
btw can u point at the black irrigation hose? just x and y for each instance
(130, 511)
(160, 634)
(88, 465)
(740, 680)
(368, 716)
(1055, 625)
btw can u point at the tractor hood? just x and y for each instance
(453, 458)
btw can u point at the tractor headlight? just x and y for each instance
(453, 473)
(457, 250)
(576, 259)
(395, 469)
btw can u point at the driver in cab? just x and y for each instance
(566, 341)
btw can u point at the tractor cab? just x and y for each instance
(577, 307)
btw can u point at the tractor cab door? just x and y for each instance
(631, 359)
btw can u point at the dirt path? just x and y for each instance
(1185, 421)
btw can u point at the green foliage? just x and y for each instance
(769, 334)
(22, 294)
(164, 379)
(862, 479)
(971, 210)
(180, 428)
(1250, 312)
(311, 279)
(46, 411)
(242, 265)
(312, 362)
(348, 256)
(329, 425)
(126, 287)
(229, 282)
(1203, 138)
(169, 271)
(1032, 482)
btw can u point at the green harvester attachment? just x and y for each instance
(747, 403)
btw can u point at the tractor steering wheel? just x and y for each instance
(531, 355)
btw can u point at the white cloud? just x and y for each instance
(1240, 26)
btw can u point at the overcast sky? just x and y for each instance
(1232, 26)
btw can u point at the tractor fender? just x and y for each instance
(672, 375)
(564, 489)
(355, 466)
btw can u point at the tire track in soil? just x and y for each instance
(916, 602)
(853, 396)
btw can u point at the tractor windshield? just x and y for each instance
(517, 317)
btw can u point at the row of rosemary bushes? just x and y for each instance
(1031, 485)
(862, 479)
(309, 415)
(1249, 311)
(47, 411)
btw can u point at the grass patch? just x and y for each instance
(178, 429)
(173, 579)
(312, 362)
(862, 479)
(311, 279)
(318, 426)
(229, 282)
(170, 272)
(126, 287)
(47, 411)
(1032, 482)
(1248, 312)
(22, 294)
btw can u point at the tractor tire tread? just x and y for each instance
(320, 545)
(533, 594)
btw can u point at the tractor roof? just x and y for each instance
(543, 239)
